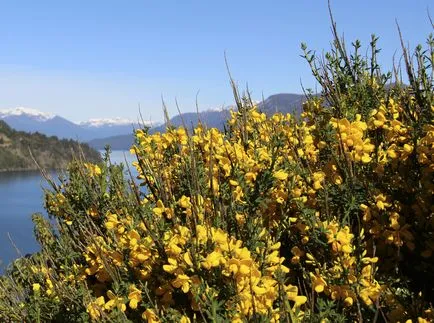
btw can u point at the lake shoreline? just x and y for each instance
(34, 169)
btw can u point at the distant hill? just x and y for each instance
(31, 120)
(211, 118)
(49, 152)
(123, 142)
(282, 102)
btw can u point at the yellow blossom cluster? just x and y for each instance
(323, 216)
(251, 222)
(351, 137)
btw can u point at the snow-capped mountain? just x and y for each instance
(116, 122)
(32, 120)
(110, 122)
(27, 112)
(110, 127)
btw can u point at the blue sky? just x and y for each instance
(94, 59)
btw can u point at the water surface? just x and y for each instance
(21, 195)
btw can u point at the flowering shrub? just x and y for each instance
(325, 218)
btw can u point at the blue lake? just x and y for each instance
(21, 195)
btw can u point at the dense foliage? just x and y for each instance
(325, 218)
(19, 150)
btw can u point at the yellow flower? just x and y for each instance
(36, 287)
(381, 202)
(97, 170)
(348, 301)
(366, 212)
(95, 308)
(159, 209)
(221, 239)
(241, 218)
(408, 148)
(172, 266)
(297, 255)
(93, 169)
(292, 293)
(212, 260)
(134, 296)
(184, 202)
(201, 232)
(318, 178)
(150, 316)
(112, 221)
(280, 175)
(187, 259)
(50, 286)
(115, 301)
(318, 283)
(250, 177)
(238, 194)
(93, 212)
(182, 281)
(184, 319)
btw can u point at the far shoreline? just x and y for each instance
(36, 169)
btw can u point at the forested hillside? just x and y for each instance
(17, 148)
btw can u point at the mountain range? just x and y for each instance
(118, 133)
(31, 120)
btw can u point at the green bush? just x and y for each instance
(326, 218)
